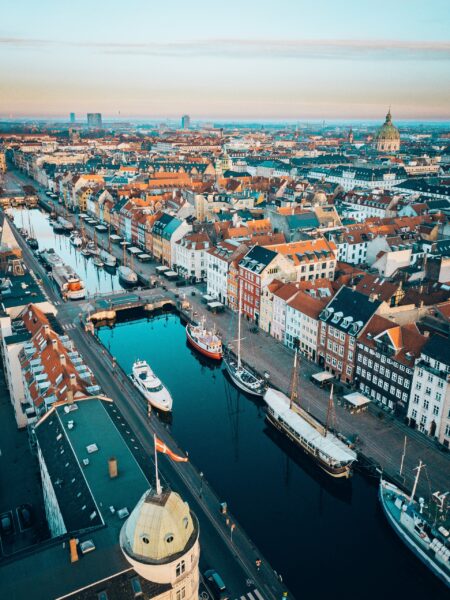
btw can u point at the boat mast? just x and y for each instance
(239, 330)
(294, 381)
(329, 409)
(416, 480)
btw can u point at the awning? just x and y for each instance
(322, 376)
(357, 399)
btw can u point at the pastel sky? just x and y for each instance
(257, 59)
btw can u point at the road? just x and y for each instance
(381, 436)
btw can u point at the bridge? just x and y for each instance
(103, 307)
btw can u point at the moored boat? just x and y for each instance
(76, 240)
(62, 225)
(242, 375)
(150, 386)
(127, 276)
(108, 259)
(330, 453)
(429, 541)
(71, 286)
(98, 262)
(205, 341)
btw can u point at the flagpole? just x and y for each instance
(158, 484)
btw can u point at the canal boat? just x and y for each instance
(33, 243)
(429, 541)
(151, 386)
(85, 252)
(327, 449)
(127, 276)
(241, 374)
(204, 340)
(108, 259)
(50, 259)
(91, 247)
(98, 262)
(70, 285)
(76, 240)
(62, 225)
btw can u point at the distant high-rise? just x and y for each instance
(94, 120)
(185, 122)
(72, 117)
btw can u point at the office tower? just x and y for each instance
(185, 122)
(94, 120)
(72, 117)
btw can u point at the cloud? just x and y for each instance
(258, 49)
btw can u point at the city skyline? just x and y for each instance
(291, 61)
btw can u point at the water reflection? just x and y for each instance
(97, 280)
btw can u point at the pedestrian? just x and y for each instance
(258, 564)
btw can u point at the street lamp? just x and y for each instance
(201, 483)
(231, 531)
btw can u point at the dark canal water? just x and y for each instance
(327, 538)
(96, 280)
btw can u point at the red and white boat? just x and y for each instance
(204, 340)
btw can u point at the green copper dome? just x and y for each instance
(388, 131)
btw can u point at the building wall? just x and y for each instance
(52, 511)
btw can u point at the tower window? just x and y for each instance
(180, 568)
(169, 538)
(145, 539)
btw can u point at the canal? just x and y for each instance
(96, 279)
(326, 538)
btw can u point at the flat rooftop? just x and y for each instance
(47, 570)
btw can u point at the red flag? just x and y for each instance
(161, 447)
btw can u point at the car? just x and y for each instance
(6, 525)
(216, 584)
(87, 546)
(25, 516)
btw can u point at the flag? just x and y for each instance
(161, 447)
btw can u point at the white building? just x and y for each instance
(189, 256)
(429, 403)
(218, 260)
(302, 322)
(349, 177)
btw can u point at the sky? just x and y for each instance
(246, 59)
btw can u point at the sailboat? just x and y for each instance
(328, 451)
(127, 276)
(241, 374)
(32, 240)
(429, 541)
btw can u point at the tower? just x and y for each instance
(185, 122)
(350, 136)
(160, 540)
(72, 117)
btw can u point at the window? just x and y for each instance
(426, 404)
(387, 373)
(447, 430)
(381, 370)
(418, 386)
(180, 568)
(416, 399)
(181, 594)
(440, 383)
(423, 420)
(414, 414)
(394, 377)
(438, 396)
(430, 377)
(435, 410)
(428, 391)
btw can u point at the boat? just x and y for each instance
(108, 259)
(204, 340)
(76, 240)
(429, 541)
(85, 252)
(70, 285)
(50, 259)
(127, 276)
(151, 386)
(98, 262)
(328, 451)
(91, 247)
(33, 243)
(241, 374)
(62, 225)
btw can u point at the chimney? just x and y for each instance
(62, 359)
(54, 343)
(70, 387)
(46, 330)
(112, 467)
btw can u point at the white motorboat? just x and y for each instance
(76, 240)
(151, 386)
(127, 276)
(108, 259)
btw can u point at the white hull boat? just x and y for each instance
(151, 386)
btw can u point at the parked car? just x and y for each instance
(6, 525)
(25, 516)
(216, 585)
(87, 546)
